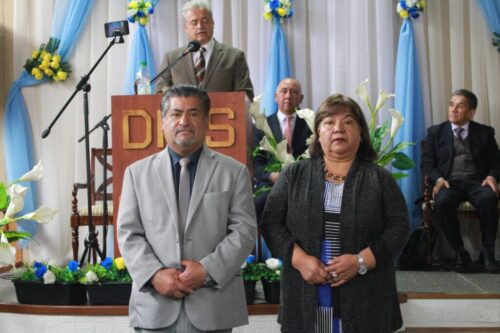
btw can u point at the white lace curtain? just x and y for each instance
(334, 45)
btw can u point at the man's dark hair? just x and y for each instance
(471, 97)
(185, 90)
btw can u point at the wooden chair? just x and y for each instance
(79, 215)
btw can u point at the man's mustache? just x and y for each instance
(183, 129)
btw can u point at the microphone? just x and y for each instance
(193, 46)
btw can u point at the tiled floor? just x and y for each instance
(448, 282)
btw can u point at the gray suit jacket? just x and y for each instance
(227, 71)
(220, 233)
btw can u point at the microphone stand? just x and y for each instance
(91, 241)
(105, 215)
(169, 67)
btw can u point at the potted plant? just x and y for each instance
(251, 272)
(271, 280)
(108, 282)
(43, 283)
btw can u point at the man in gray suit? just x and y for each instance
(184, 253)
(222, 67)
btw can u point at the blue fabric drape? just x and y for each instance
(68, 21)
(491, 11)
(278, 68)
(139, 52)
(409, 101)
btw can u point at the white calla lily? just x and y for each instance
(49, 277)
(308, 115)
(255, 105)
(7, 252)
(41, 215)
(91, 277)
(282, 155)
(383, 96)
(265, 145)
(362, 91)
(259, 117)
(32, 175)
(16, 193)
(397, 121)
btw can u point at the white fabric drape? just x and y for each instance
(334, 45)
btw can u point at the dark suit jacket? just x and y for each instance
(437, 153)
(300, 134)
(227, 71)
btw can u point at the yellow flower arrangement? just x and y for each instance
(410, 8)
(139, 11)
(46, 63)
(279, 9)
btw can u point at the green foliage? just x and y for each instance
(4, 197)
(13, 236)
(104, 274)
(261, 189)
(271, 275)
(377, 136)
(36, 271)
(63, 274)
(496, 40)
(253, 271)
(28, 275)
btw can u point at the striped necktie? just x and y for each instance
(199, 67)
(459, 133)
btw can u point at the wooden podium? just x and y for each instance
(137, 132)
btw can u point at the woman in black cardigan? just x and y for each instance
(337, 220)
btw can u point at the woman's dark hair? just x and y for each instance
(339, 103)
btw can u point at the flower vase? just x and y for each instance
(109, 293)
(35, 292)
(249, 291)
(271, 291)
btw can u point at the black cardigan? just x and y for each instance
(374, 214)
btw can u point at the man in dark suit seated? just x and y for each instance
(461, 158)
(215, 67)
(284, 123)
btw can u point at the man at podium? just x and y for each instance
(215, 66)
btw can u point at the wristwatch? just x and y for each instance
(209, 282)
(362, 265)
